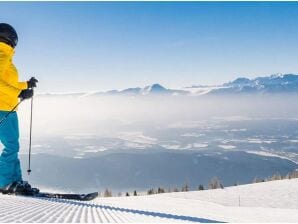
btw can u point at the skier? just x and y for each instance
(10, 90)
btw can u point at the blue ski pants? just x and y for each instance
(10, 169)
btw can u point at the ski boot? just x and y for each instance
(20, 188)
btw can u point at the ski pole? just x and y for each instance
(12, 110)
(29, 161)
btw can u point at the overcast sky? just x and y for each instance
(102, 46)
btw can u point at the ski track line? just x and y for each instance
(98, 215)
(20, 215)
(47, 215)
(114, 216)
(28, 210)
(70, 216)
(77, 212)
(52, 214)
(63, 214)
(104, 211)
(36, 213)
(121, 217)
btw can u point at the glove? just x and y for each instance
(32, 83)
(26, 94)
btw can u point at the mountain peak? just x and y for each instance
(240, 81)
(155, 88)
(277, 75)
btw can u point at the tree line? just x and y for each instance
(214, 183)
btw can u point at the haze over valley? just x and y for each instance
(144, 137)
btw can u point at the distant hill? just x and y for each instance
(141, 170)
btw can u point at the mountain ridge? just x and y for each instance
(276, 83)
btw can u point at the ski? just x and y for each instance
(78, 197)
(24, 189)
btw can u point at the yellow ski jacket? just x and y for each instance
(10, 87)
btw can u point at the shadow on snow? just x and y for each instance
(134, 211)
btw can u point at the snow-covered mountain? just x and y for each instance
(275, 201)
(155, 89)
(278, 83)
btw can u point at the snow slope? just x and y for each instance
(275, 201)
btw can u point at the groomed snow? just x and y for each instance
(275, 201)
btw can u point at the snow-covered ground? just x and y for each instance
(275, 201)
